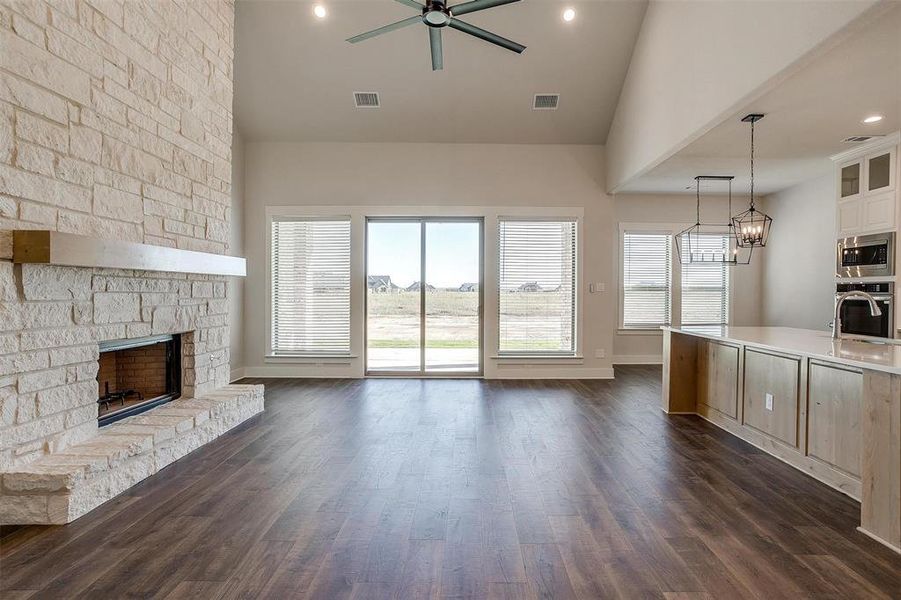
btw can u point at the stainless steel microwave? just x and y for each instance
(866, 256)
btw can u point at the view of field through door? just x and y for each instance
(423, 328)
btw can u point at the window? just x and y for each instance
(537, 273)
(310, 286)
(647, 279)
(705, 287)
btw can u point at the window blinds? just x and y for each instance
(537, 301)
(647, 279)
(310, 286)
(705, 287)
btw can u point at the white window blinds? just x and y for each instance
(705, 287)
(310, 286)
(647, 279)
(537, 282)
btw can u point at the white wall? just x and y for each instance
(745, 289)
(698, 62)
(236, 248)
(798, 282)
(453, 177)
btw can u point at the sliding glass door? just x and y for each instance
(424, 296)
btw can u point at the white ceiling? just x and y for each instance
(295, 74)
(807, 117)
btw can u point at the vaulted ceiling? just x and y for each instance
(295, 74)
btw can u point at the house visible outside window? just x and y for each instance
(310, 278)
(657, 289)
(537, 284)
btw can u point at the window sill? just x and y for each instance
(537, 359)
(310, 359)
(640, 330)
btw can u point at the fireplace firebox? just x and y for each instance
(137, 374)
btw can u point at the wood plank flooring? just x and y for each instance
(409, 488)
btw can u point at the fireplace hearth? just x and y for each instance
(136, 375)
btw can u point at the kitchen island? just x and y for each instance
(831, 408)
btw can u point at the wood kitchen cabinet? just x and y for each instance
(779, 376)
(833, 416)
(718, 378)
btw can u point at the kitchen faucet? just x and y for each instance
(837, 322)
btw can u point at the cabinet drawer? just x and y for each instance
(718, 378)
(833, 416)
(779, 376)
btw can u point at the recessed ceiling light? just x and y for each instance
(320, 11)
(873, 119)
(569, 14)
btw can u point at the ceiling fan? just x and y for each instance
(438, 15)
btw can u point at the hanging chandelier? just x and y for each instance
(711, 243)
(752, 227)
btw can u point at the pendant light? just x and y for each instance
(710, 243)
(752, 227)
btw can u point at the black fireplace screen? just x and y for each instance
(136, 375)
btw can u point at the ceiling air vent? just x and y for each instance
(366, 99)
(546, 102)
(857, 139)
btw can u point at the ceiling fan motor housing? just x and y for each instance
(436, 14)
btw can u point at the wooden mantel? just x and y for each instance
(71, 250)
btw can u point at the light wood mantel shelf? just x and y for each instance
(71, 250)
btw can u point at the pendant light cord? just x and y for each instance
(698, 196)
(752, 165)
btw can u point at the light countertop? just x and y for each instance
(806, 342)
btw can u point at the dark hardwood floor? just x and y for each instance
(463, 489)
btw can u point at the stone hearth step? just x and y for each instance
(58, 488)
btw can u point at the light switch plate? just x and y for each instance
(768, 399)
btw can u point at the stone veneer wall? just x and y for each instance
(115, 122)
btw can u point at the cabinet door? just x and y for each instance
(849, 217)
(833, 416)
(878, 212)
(850, 178)
(779, 377)
(879, 171)
(718, 378)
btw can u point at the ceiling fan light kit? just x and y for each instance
(437, 15)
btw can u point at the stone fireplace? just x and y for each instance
(135, 375)
(81, 331)
(117, 133)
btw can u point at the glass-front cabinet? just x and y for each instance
(880, 171)
(850, 176)
(867, 199)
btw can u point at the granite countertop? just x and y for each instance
(807, 342)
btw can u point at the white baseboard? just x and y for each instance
(638, 359)
(236, 374)
(292, 372)
(554, 373)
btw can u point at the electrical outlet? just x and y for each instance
(768, 400)
(600, 353)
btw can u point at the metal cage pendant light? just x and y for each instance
(710, 243)
(752, 227)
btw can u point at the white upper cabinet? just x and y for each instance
(867, 190)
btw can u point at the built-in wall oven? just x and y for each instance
(866, 256)
(855, 315)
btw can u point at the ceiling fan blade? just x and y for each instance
(385, 29)
(411, 3)
(437, 52)
(468, 7)
(486, 35)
